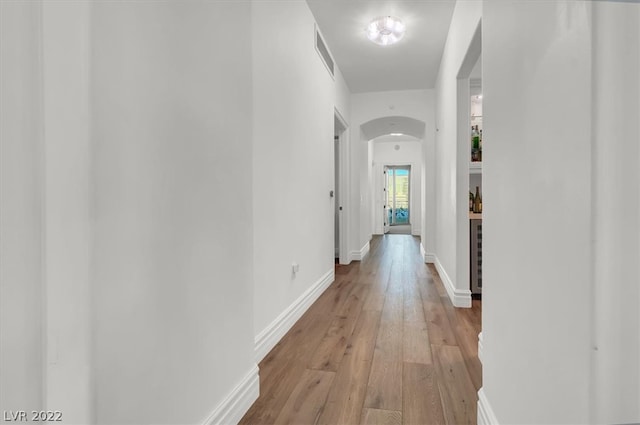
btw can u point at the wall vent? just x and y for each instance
(322, 50)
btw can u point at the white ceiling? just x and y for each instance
(412, 63)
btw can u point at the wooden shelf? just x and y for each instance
(475, 216)
(475, 167)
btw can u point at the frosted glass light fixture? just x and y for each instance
(385, 30)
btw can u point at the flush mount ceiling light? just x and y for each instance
(385, 30)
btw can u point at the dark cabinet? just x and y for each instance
(476, 256)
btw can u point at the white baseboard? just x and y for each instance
(485, 412)
(458, 297)
(237, 402)
(364, 251)
(359, 255)
(428, 257)
(269, 337)
(480, 347)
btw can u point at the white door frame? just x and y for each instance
(342, 188)
(462, 296)
(403, 166)
(385, 187)
(379, 167)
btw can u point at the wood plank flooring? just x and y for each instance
(382, 345)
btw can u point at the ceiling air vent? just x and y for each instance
(322, 50)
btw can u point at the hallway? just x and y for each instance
(382, 345)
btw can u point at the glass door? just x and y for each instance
(387, 207)
(397, 190)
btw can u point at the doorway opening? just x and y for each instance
(469, 171)
(340, 135)
(397, 192)
(469, 161)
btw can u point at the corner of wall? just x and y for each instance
(269, 337)
(238, 401)
(485, 412)
(458, 297)
(428, 257)
(360, 254)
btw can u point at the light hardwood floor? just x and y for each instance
(382, 345)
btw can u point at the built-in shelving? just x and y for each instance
(475, 167)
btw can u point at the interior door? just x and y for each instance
(387, 178)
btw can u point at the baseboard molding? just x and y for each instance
(238, 401)
(364, 250)
(480, 347)
(359, 255)
(485, 412)
(458, 297)
(269, 337)
(428, 257)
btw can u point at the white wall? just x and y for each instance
(132, 131)
(449, 187)
(417, 104)
(561, 280)
(342, 94)
(172, 208)
(616, 212)
(46, 354)
(409, 153)
(66, 109)
(21, 207)
(294, 101)
(371, 186)
(429, 232)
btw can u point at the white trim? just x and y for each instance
(364, 251)
(475, 168)
(485, 412)
(429, 257)
(359, 255)
(238, 401)
(480, 347)
(458, 297)
(269, 337)
(343, 188)
(414, 182)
